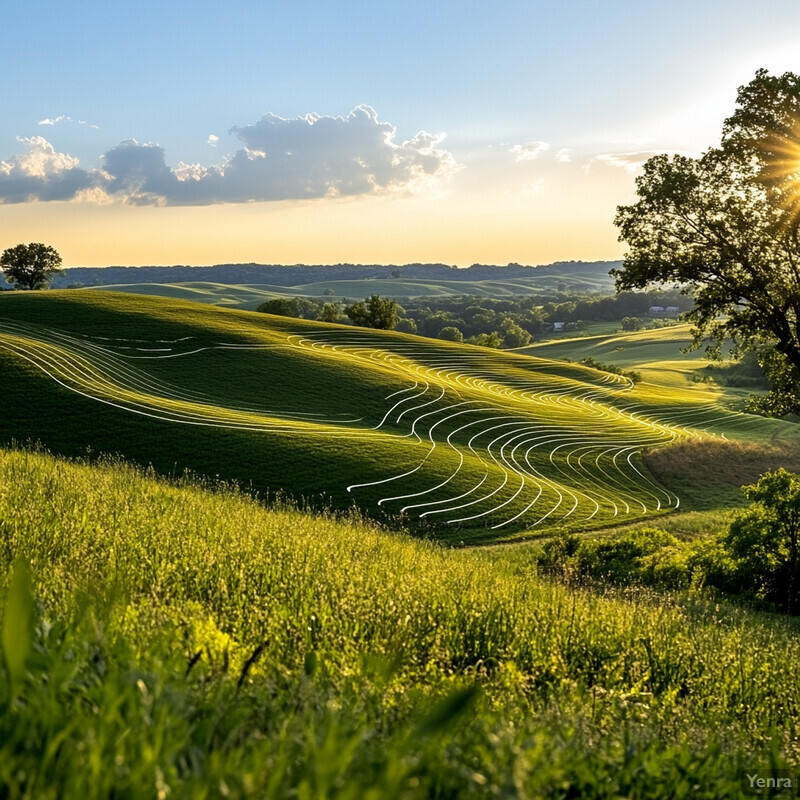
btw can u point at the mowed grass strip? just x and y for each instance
(190, 642)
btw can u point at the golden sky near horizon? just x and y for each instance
(564, 216)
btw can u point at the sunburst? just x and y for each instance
(780, 157)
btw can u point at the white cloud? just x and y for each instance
(314, 156)
(51, 121)
(563, 156)
(41, 173)
(529, 150)
(212, 140)
(304, 157)
(54, 120)
(631, 161)
(41, 158)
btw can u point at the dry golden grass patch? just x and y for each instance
(708, 464)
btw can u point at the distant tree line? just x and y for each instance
(297, 274)
(374, 312)
(516, 321)
(508, 322)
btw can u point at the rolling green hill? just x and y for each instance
(656, 354)
(248, 296)
(467, 444)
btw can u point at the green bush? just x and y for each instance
(710, 565)
(623, 560)
(764, 540)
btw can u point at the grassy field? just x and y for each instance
(463, 443)
(175, 641)
(248, 296)
(656, 354)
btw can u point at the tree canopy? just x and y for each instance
(451, 334)
(30, 266)
(376, 312)
(724, 226)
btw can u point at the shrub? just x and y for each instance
(513, 335)
(710, 565)
(631, 324)
(281, 306)
(291, 307)
(330, 312)
(625, 559)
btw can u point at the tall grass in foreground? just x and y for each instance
(191, 643)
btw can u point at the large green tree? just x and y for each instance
(725, 225)
(30, 266)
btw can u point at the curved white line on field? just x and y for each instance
(133, 380)
(521, 513)
(572, 420)
(422, 405)
(433, 442)
(67, 373)
(454, 473)
(136, 408)
(474, 488)
(402, 391)
(448, 370)
(400, 402)
(433, 447)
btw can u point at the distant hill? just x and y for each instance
(250, 296)
(284, 275)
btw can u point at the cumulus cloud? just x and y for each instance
(41, 173)
(529, 150)
(314, 156)
(213, 140)
(563, 156)
(304, 157)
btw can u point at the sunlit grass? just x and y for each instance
(190, 643)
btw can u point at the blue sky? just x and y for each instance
(597, 85)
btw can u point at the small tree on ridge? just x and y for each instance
(30, 266)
